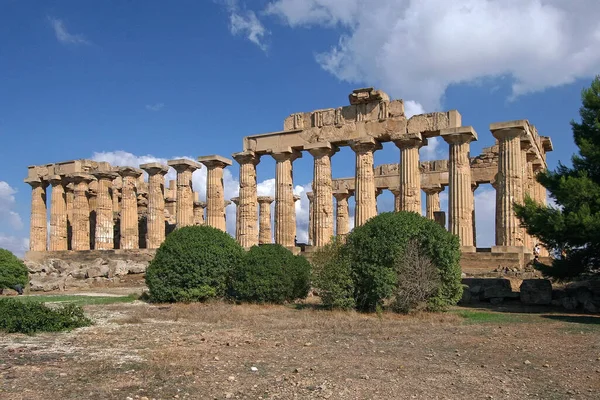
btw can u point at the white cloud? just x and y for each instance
(417, 49)
(155, 107)
(247, 24)
(63, 36)
(17, 245)
(433, 150)
(7, 204)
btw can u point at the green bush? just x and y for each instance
(374, 248)
(30, 317)
(332, 276)
(193, 264)
(270, 274)
(12, 270)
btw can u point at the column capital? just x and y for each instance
(286, 153)
(200, 204)
(296, 197)
(321, 149)
(235, 200)
(130, 171)
(459, 135)
(35, 182)
(265, 199)
(365, 145)
(537, 166)
(526, 144)
(226, 203)
(79, 177)
(183, 165)
(246, 157)
(378, 192)
(310, 195)
(214, 161)
(410, 140)
(396, 191)
(56, 180)
(341, 194)
(109, 175)
(433, 189)
(155, 168)
(474, 186)
(509, 129)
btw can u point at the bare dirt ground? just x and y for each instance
(217, 351)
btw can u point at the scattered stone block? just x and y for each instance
(536, 291)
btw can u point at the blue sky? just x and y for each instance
(139, 80)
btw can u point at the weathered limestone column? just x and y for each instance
(410, 174)
(396, 193)
(38, 228)
(509, 234)
(156, 203)
(460, 196)
(264, 236)
(528, 185)
(81, 211)
(247, 210)
(474, 186)
(70, 197)
(185, 197)
(171, 201)
(93, 202)
(105, 229)
(117, 184)
(322, 190)
(311, 219)
(366, 204)
(236, 201)
(342, 212)
(129, 215)
(432, 200)
(215, 191)
(58, 215)
(199, 207)
(285, 209)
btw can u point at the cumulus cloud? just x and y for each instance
(8, 215)
(17, 245)
(245, 23)
(155, 107)
(417, 49)
(63, 36)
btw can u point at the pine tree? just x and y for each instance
(573, 226)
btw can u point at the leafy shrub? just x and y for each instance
(374, 248)
(193, 264)
(332, 276)
(30, 317)
(12, 270)
(270, 274)
(417, 280)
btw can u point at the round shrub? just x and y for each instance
(332, 276)
(193, 264)
(270, 274)
(375, 248)
(12, 270)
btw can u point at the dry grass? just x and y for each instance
(207, 351)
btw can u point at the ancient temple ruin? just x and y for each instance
(96, 206)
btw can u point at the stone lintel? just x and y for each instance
(214, 159)
(155, 168)
(130, 171)
(183, 164)
(265, 199)
(80, 177)
(105, 174)
(546, 144)
(461, 134)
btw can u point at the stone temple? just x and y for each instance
(98, 210)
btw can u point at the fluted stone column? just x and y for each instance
(156, 203)
(285, 209)
(311, 219)
(264, 236)
(460, 196)
(70, 198)
(396, 193)
(322, 190)
(410, 174)
(247, 210)
(80, 239)
(117, 185)
(105, 229)
(58, 215)
(366, 204)
(129, 215)
(432, 200)
(93, 202)
(509, 234)
(528, 156)
(199, 207)
(185, 197)
(342, 212)
(236, 201)
(171, 202)
(38, 228)
(215, 191)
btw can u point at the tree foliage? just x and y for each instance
(574, 224)
(12, 270)
(332, 276)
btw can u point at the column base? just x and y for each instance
(468, 249)
(510, 249)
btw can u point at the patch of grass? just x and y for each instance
(78, 300)
(482, 317)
